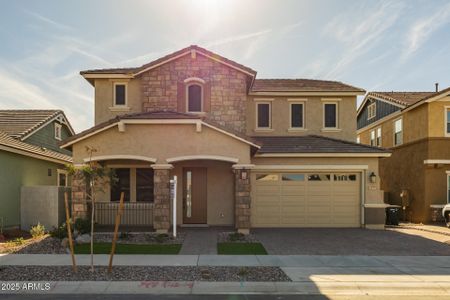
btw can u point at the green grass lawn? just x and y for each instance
(105, 248)
(241, 248)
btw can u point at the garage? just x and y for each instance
(306, 199)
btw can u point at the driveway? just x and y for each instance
(351, 241)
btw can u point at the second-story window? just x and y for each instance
(371, 111)
(330, 111)
(263, 115)
(378, 141)
(194, 98)
(58, 129)
(398, 132)
(297, 115)
(120, 94)
(372, 138)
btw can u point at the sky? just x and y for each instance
(376, 45)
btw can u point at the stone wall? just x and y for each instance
(242, 200)
(80, 207)
(161, 202)
(225, 89)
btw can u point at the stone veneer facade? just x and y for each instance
(225, 89)
(161, 201)
(242, 200)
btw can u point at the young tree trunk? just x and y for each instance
(92, 226)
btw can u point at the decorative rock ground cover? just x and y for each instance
(136, 273)
(234, 237)
(140, 238)
(44, 245)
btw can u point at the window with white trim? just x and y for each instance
(297, 115)
(398, 132)
(372, 138)
(263, 112)
(58, 129)
(371, 110)
(330, 115)
(378, 139)
(120, 94)
(194, 98)
(62, 177)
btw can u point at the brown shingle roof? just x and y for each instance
(402, 98)
(18, 123)
(10, 142)
(312, 144)
(167, 57)
(301, 85)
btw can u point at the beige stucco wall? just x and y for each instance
(373, 193)
(162, 142)
(436, 127)
(104, 91)
(313, 116)
(220, 190)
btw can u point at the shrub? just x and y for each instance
(236, 236)
(59, 232)
(18, 241)
(83, 226)
(37, 231)
(161, 238)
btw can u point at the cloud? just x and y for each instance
(360, 35)
(421, 30)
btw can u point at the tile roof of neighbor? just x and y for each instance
(167, 57)
(312, 144)
(402, 98)
(156, 115)
(18, 123)
(8, 141)
(301, 85)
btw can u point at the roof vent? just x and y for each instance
(437, 86)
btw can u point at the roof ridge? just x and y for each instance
(347, 142)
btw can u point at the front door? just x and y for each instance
(194, 195)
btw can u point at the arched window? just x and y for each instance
(194, 98)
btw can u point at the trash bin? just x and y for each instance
(392, 215)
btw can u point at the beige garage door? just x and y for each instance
(305, 199)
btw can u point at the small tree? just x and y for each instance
(96, 177)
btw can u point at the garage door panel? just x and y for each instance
(295, 201)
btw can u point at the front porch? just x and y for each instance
(209, 193)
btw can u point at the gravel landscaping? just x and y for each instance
(135, 273)
(234, 237)
(44, 245)
(140, 238)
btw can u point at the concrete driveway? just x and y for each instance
(351, 241)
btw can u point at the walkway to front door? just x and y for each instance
(200, 240)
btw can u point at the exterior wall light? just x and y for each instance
(373, 177)
(244, 175)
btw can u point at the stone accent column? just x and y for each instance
(161, 199)
(79, 187)
(242, 199)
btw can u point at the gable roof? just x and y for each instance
(169, 57)
(302, 85)
(20, 123)
(11, 144)
(310, 144)
(162, 116)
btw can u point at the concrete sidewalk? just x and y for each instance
(312, 275)
(333, 261)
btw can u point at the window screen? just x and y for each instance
(195, 98)
(264, 115)
(120, 94)
(296, 115)
(330, 115)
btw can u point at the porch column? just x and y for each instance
(161, 199)
(79, 197)
(242, 200)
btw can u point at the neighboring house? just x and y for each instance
(247, 152)
(30, 155)
(416, 127)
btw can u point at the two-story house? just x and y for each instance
(30, 156)
(416, 127)
(247, 152)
